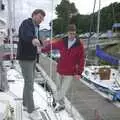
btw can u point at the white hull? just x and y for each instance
(14, 98)
(91, 73)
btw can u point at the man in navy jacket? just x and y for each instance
(26, 54)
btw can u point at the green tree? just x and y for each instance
(67, 13)
(64, 12)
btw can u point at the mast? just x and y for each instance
(98, 21)
(51, 37)
(88, 51)
(98, 28)
(10, 27)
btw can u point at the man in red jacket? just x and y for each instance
(70, 64)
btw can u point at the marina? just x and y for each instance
(94, 96)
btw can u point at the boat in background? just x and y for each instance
(5, 51)
(105, 79)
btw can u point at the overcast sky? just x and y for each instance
(24, 8)
(86, 6)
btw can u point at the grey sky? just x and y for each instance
(24, 8)
(86, 6)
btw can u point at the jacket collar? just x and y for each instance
(77, 42)
(32, 22)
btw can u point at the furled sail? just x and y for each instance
(105, 56)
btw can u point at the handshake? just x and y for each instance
(37, 44)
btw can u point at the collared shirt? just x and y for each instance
(36, 31)
(71, 42)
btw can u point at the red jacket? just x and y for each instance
(71, 61)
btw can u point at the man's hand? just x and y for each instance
(39, 49)
(36, 42)
(46, 42)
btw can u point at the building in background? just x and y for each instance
(45, 33)
(3, 20)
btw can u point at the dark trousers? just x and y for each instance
(28, 72)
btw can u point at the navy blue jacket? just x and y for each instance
(26, 50)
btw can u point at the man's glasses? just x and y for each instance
(72, 33)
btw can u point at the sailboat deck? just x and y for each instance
(90, 104)
(13, 98)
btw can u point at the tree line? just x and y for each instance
(67, 13)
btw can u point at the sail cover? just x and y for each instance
(105, 56)
(116, 25)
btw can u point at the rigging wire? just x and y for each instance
(113, 13)
(90, 30)
(98, 29)
(10, 26)
(49, 94)
(14, 31)
(98, 22)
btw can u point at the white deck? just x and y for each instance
(14, 98)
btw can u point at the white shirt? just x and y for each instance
(36, 31)
(71, 42)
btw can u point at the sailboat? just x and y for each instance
(11, 100)
(104, 77)
(11, 89)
